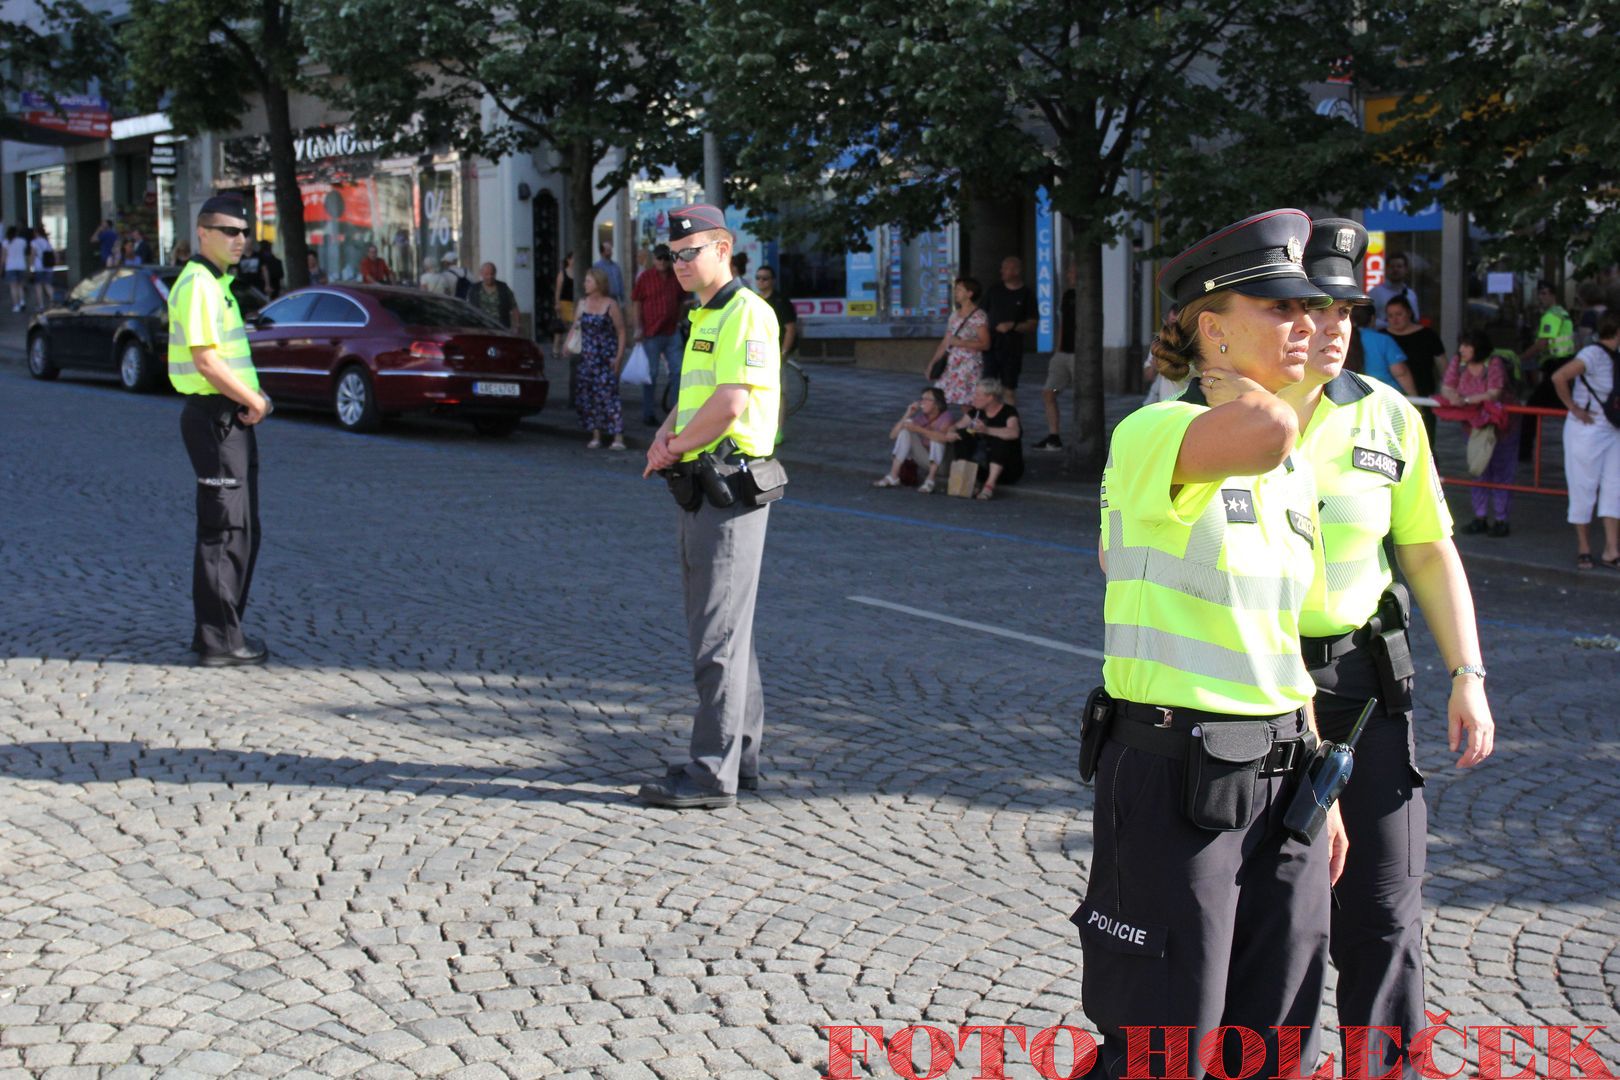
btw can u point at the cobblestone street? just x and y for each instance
(410, 845)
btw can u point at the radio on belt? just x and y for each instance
(1324, 780)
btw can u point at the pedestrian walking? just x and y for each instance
(958, 361)
(1477, 385)
(715, 451)
(439, 279)
(787, 323)
(1375, 478)
(107, 242)
(270, 269)
(42, 264)
(657, 298)
(17, 268)
(373, 269)
(602, 339)
(494, 298)
(1010, 306)
(312, 259)
(1397, 269)
(614, 275)
(1201, 911)
(211, 363)
(1592, 442)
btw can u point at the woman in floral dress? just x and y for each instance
(967, 336)
(602, 337)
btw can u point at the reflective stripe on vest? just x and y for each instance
(227, 330)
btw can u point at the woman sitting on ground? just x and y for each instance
(989, 433)
(920, 435)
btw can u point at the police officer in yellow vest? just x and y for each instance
(1553, 348)
(210, 363)
(1201, 911)
(1375, 477)
(715, 451)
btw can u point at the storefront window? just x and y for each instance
(47, 206)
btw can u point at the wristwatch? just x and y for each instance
(1469, 669)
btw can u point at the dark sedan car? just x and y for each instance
(116, 320)
(370, 351)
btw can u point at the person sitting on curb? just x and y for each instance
(989, 433)
(920, 435)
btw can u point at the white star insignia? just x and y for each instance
(1237, 506)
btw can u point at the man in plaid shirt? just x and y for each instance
(658, 298)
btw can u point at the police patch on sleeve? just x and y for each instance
(1121, 932)
(1301, 524)
(1379, 462)
(1239, 505)
(756, 354)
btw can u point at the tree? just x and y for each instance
(200, 59)
(1210, 97)
(1514, 104)
(582, 78)
(61, 47)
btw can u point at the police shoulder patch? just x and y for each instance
(756, 354)
(702, 345)
(1239, 505)
(1377, 461)
(1301, 523)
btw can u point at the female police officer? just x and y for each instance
(1376, 478)
(1200, 911)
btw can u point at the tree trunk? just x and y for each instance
(1088, 442)
(289, 200)
(581, 211)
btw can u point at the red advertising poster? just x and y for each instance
(71, 114)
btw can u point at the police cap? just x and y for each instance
(699, 217)
(1336, 245)
(229, 205)
(1260, 256)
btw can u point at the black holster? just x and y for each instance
(1392, 650)
(1095, 718)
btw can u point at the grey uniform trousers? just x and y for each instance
(1182, 927)
(720, 552)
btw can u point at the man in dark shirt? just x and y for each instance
(271, 268)
(1009, 304)
(494, 298)
(1060, 375)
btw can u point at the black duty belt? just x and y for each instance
(1319, 652)
(1165, 731)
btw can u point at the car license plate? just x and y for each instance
(498, 389)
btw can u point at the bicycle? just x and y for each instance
(795, 389)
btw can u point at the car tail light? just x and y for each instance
(427, 350)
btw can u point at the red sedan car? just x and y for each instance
(371, 351)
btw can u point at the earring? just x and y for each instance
(1223, 348)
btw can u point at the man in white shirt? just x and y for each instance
(1396, 269)
(38, 250)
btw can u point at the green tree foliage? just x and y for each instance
(1515, 103)
(582, 78)
(59, 47)
(1211, 99)
(200, 60)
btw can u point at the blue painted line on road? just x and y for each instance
(896, 519)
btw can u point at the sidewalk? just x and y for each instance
(845, 423)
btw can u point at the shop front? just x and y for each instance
(356, 195)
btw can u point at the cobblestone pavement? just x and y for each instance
(409, 847)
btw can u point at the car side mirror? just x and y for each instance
(257, 321)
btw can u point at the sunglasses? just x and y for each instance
(686, 255)
(232, 231)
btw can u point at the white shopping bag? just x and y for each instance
(636, 370)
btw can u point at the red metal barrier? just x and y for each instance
(1537, 487)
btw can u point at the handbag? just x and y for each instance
(1481, 445)
(637, 371)
(964, 475)
(574, 343)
